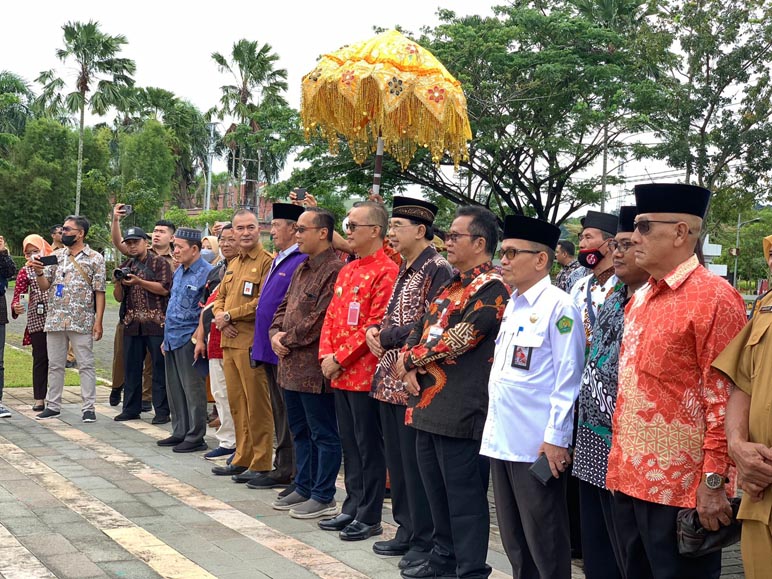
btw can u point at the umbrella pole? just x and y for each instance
(378, 166)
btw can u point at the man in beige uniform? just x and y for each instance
(747, 360)
(248, 393)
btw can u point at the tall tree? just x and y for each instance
(100, 72)
(15, 99)
(258, 85)
(717, 128)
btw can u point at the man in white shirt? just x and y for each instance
(533, 384)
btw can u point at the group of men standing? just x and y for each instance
(447, 371)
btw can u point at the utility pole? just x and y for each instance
(210, 160)
(737, 243)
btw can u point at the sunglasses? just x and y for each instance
(622, 247)
(644, 225)
(302, 229)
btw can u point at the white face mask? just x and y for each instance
(35, 255)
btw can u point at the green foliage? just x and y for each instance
(751, 263)
(180, 217)
(38, 183)
(146, 159)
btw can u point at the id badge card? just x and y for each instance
(249, 289)
(521, 357)
(353, 314)
(59, 292)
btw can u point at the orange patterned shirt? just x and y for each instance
(669, 421)
(367, 281)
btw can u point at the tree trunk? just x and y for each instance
(79, 178)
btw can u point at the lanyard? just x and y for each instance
(590, 311)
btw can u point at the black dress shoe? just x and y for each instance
(228, 470)
(115, 396)
(169, 441)
(336, 523)
(264, 481)
(424, 570)
(358, 531)
(123, 416)
(147, 406)
(406, 562)
(390, 548)
(186, 446)
(160, 419)
(287, 492)
(246, 476)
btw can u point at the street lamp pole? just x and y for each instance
(210, 161)
(737, 243)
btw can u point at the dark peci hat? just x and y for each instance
(188, 234)
(135, 233)
(287, 211)
(672, 198)
(530, 229)
(603, 221)
(417, 209)
(627, 215)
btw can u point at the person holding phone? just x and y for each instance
(76, 299)
(35, 309)
(534, 382)
(7, 272)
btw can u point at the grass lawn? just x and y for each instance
(18, 370)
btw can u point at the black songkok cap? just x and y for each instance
(188, 233)
(672, 198)
(530, 229)
(627, 215)
(416, 209)
(287, 211)
(603, 221)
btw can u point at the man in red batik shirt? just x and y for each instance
(669, 449)
(362, 292)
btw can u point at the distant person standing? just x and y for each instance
(37, 306)
(571, 270)
(76, 306)
(7, 272)
(56, 237)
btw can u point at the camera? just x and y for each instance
(121, 273)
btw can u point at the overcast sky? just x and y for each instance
(172, 42)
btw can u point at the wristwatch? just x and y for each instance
(227, 317)
(714, 480)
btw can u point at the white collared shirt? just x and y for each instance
(536, 374)
(598, 295)
(281, 256)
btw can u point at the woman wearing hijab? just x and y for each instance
(210, 249)
(27, 282)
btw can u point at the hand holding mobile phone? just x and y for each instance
(127, 210)
(541, 471)
(300, 193)
(47, 259)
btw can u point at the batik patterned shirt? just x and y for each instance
(366, 282)
(71, 295)
(598, 394)
(453, 344)
(416, 286)
(669, 420)
(571, 274)
(598, 288)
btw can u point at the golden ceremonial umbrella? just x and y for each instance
(386, 93)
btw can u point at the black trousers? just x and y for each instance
(284, 459)
(533, 521)
(135, 350)
(600, 547)
(410, 506)
(39, 365)
(455, 478)
(364, 465)
(647, 537)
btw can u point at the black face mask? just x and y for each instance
(590, 257)
(68, 240)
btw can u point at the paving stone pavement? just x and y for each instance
(103, 500)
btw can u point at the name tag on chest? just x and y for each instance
(249, 289)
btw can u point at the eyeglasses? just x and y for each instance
(68, 229)
(644, 225)
(303, 229)
(353, 226)
(454, 236)
(512, 253)
(623, 246)
(397, 226)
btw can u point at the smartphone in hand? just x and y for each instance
(48, 259)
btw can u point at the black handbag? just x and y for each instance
(694, 540)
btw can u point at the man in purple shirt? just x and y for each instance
(288, 258)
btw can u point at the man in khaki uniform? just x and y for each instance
(234, 315)
(747, 360)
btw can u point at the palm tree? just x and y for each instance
(257, 85)
(99, 72)
(15, 100)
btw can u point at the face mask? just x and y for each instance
(590, 257)
(68, 240)
(207, 255)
